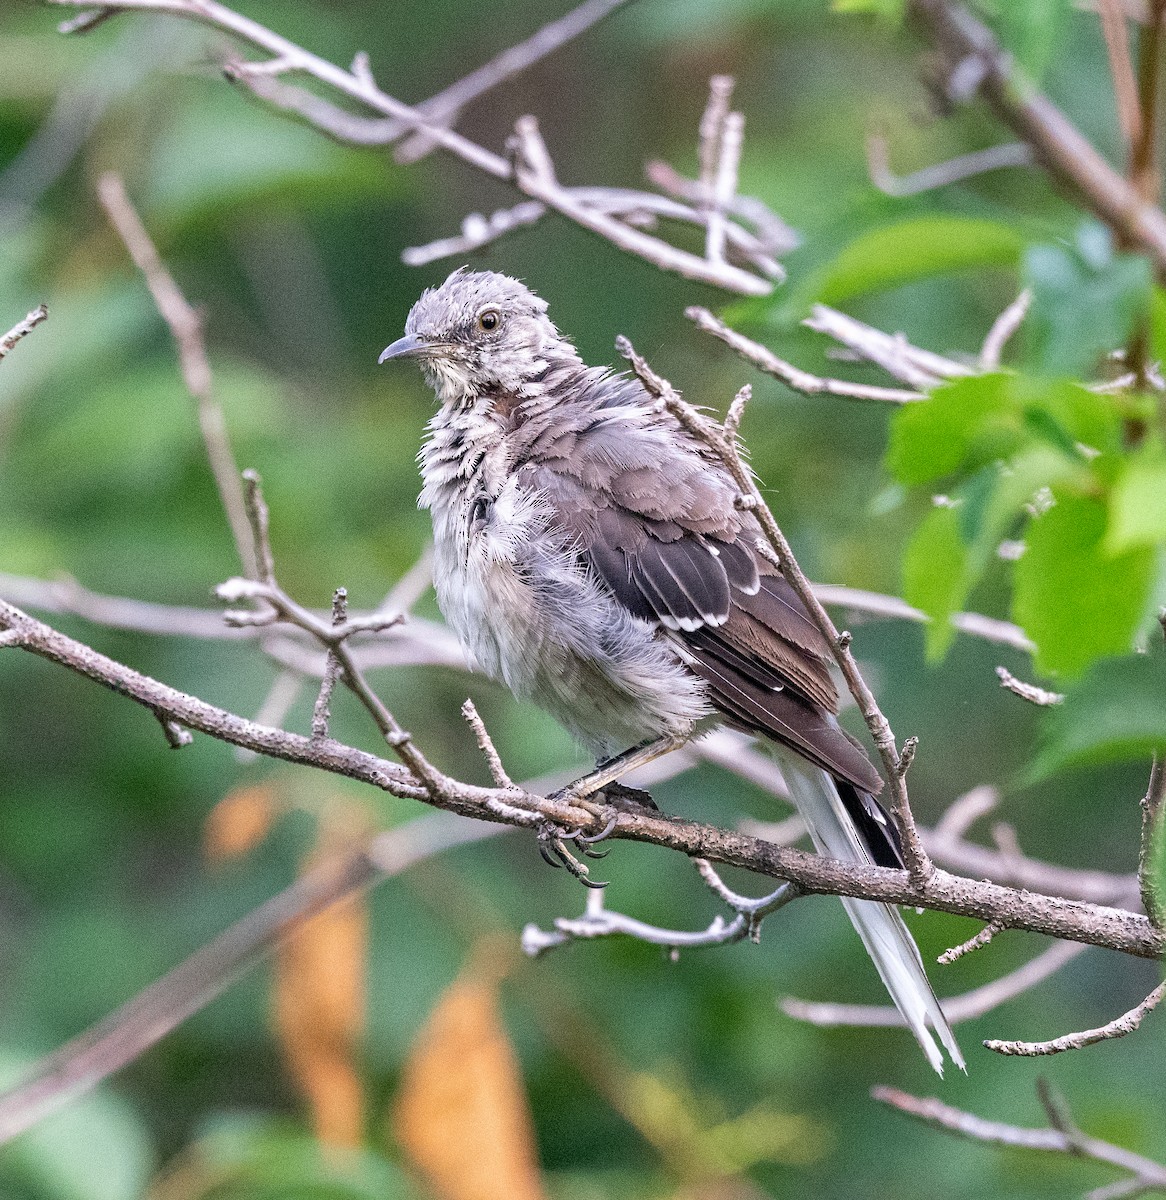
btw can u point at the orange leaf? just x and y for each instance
(461, 1113)
(319, 1004)
(239, 822)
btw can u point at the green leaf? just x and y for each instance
(1118, 711)
(1086, 301)
(1073, 599)
(914, 249)
(967, 424)
(1137, 507)
(932, 439)
(936, 575)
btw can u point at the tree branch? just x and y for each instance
(966, 1007)
(22, 329)
(794, 377)
(1062, 1138)
(1112, 928)
(359, 85)
(975, 63)
(1117, 1028)
(186, 328)
(927, 179)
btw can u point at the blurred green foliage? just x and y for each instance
(291, 247)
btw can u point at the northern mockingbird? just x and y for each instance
(588, 554)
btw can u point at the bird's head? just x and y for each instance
(479, 333)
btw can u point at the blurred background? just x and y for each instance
(645, 1076)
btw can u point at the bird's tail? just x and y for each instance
(883, 931)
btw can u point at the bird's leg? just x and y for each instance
(611, 769)
(552, 838)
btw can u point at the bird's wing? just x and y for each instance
(655, 522)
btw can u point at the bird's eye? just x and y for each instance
(488, 320)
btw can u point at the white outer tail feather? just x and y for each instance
(887, 939)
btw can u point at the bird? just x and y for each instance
(589, 555)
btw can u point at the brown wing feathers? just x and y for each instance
(682, 557)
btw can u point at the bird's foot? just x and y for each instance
(552, 845)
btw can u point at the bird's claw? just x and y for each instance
(552, 845)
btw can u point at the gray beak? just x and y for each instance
(402, 348)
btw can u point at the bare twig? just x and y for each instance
(1146, 1175)
(322, 711)
(477, 231)
(1125, 83)
(176, 736)
(773, 234)
(719, 154)
(966, 1007)
(447, 104)
(725, 447)
(973, 943)
(964, 166)
(22, 329)
(186, 328)
(977, 64)
(283, 693)
(1005, 325)
(1028, 691)
(1117, 1028)
(276, 604)
(598, 921)
(1149, 850)
(966, 810)
(86, 21)
(912, 365)
(486, 745)
(794, 377)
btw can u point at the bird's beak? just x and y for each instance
(403, 347)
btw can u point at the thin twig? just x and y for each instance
(912, 365)
(1028, 691)
(322, 710)
(973, 943)
(599, 921)
(1150, 854)
(953, 170)
(1005, 325)
(87, 21)
(358, 84)
(1117, 1028)
(966, 1007)
(794, 377)
(186, 328)
(486, 745)
(22, 329)
(1147, 1174)
(1125, 83)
